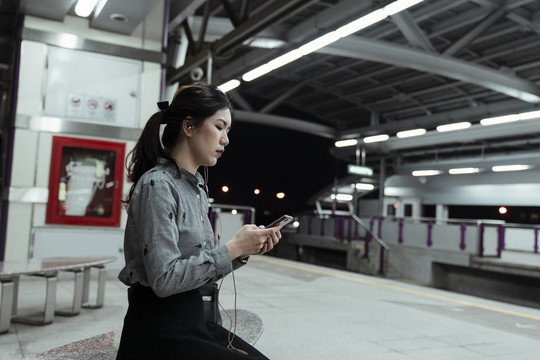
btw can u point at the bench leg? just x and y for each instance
(47, 316)
(15, 296)
(77, 297)
(102, 278)
(6, 306)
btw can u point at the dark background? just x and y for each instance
(273, 160)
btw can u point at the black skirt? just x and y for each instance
(174, 328)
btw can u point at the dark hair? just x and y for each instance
(196, 102)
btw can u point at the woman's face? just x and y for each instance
(209, 140)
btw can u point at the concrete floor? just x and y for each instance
(312, 312)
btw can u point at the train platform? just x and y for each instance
(314, 312)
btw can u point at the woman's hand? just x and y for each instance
(253, 240)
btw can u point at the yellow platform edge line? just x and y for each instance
(397, 288)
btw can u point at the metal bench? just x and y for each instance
(48, 268)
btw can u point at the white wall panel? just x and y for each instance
(24, 158)
(18, 231)
(32, 69)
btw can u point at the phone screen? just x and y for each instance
(282, 221)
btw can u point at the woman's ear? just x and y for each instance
(187, 125)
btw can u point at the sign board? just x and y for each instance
(359, 170)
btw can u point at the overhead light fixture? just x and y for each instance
(328, 38)
(426, 172)
(454, 126)
(265, 43)
(460, 171)
(363, 186)
(229, 85)
(500, 119)
(529, 115)
(376, 138)
(341, 197)
(347, 142)
(410, 133)
(400, 5)
(84, 7)
(500, 168)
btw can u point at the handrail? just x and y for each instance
(366, 228)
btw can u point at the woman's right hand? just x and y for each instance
(252, 240)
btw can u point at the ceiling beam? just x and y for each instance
(404, 57)
(286, 123)
(473, 114)
(273, 12)
(475, 32)
(412, 32)
(304, 31)
(475, 133)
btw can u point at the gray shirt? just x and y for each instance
(169, 243)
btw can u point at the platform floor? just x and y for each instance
(312, 312)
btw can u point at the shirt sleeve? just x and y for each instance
(167, 271)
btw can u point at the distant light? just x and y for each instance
(84, 7)
(454, 126)
(395, 206)
(500, 119)
(463, 171)
(348, 142)
(280, 195)
(376, 138)
(229, 85)
(296, 223)
(341, 197)
(399, 5)
(256, 191)
(225, 189)
(503, 210)
(234, 211)
(509, 168)
(426, 172)
(362, 186)
(359, 170)
(411, 133)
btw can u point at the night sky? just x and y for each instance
(273, 160)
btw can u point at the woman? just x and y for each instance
(169, 245)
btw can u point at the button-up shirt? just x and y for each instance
(169, 243)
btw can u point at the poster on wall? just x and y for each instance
(85, 183)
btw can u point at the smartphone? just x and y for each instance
(282, 221)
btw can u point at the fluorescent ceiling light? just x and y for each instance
(410, 133)
(499, 119)
(454, 126)
(426, 172)
(463, 171)
(341, 197)
(376, 138)
(331, 37)
(265, 43)
(510, 168)
(84, 7)
(529, 115)
(229, 85)
(348, 142)
(400, 5)
(319, 42)
(361, 23)
(362, 186)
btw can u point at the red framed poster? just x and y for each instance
(85, 183)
